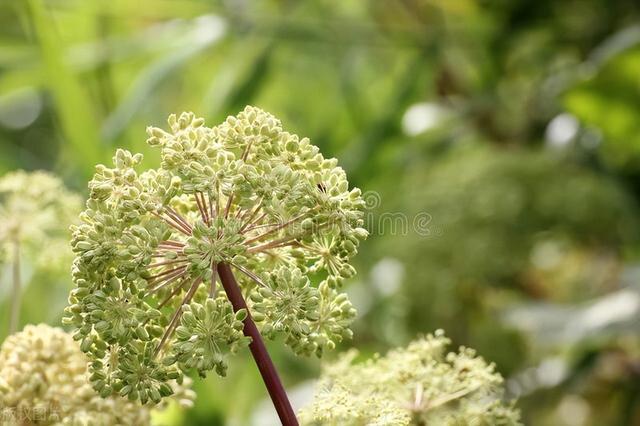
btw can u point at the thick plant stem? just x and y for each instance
(258, 349)
(16, 291)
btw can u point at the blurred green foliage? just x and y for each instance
(511, 127)
(510, 223)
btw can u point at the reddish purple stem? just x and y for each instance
(258, 349)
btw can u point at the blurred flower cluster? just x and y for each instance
(417, 385)
(36, 210)
(44, 380)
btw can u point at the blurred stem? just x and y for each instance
(15, 297)
(258, 349)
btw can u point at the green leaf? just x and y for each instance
(74, 109)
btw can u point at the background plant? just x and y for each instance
(36, 211)
(417, 385)
(44, 380)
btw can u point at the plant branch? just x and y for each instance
(213, 289)
(250, 274)
(249, 223)
(276, 228)
(251, 212)
(179, 219)
(273, 244)
(228, 208)
(17, 290)
(202, 206)
(173, 324)
(258, 349)
(174, 225)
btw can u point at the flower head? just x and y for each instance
(44, 378)
(245, 193)
(420, 384)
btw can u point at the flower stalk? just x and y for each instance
(16, 291)
(258, 349)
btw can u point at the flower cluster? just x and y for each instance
(208, 332)
(147, 304)
(36, 207)
(310, 318)
(417, 385)
(44, 380)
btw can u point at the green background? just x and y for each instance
(497, 144)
